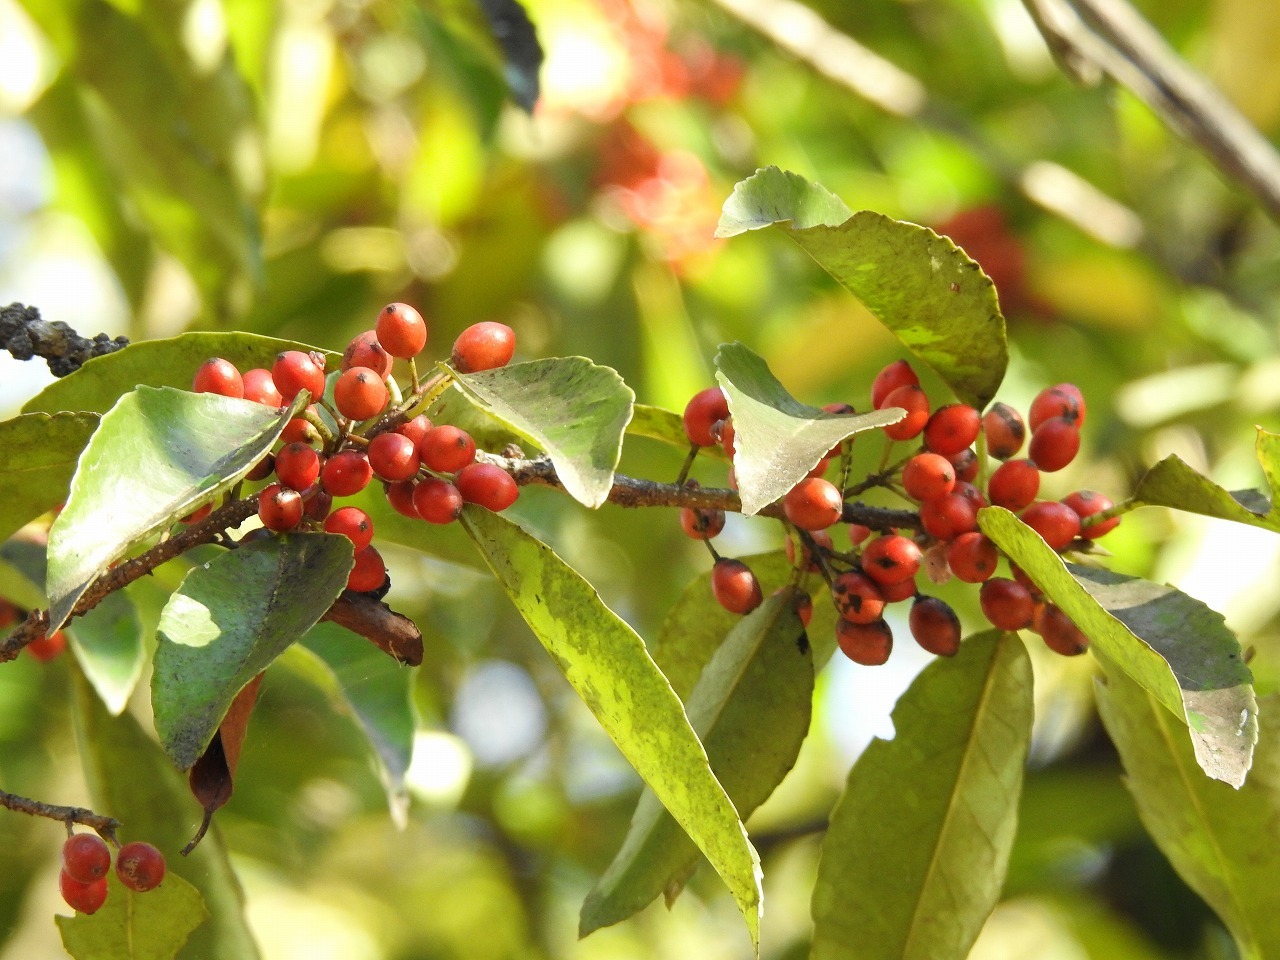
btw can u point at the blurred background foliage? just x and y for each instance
(288, 166)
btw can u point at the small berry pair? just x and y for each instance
(86, 860)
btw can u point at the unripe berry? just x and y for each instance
(734, 586)
(1004, 430)
(346, 473)
(393, 457)
(437, 501)
(219, 376)
(295, 371)
(1059, 633)
(86, 857)
(1013, 484)
(82, 897)
(369, 572)
(360, 394)
(857, 597)
(866, 643)
(401, 330)
(447, 449)
(483, 346)
(1006, 603)
(813, 504)
(928, 475)
(1054, 444)
(261, 388)
(279, 508)
(891, 559)
(952, 428)
(1063, 400)
(364, 350)
(895, 375)
(1086, 503)
(1057, 523)
(972, 557)
(487, 485)
(702, 412)
(140, 866)
(353, 523)
(297, 466)
(913, 400)
(935, 626)
(701, 523)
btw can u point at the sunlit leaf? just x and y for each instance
(917, 848)
(136, 926)
(38, 455)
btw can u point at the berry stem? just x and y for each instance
(688, 464)
(317, 421)
(105, 826)
(1102, 516)
(413, 376)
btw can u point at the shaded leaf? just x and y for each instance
(520, 48)
(917, 848)
(751, 709)
(1224, 843)
(573, 409)
(38, 455)
(924, 288)
(229, 620)
(1171, 644)
(157, 455)
(212, 776)
(778, 439)
(136, 926)
(606, 662)
(108, 645)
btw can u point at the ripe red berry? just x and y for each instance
(400, 496)
(364, 350)
(701, 413)
(813, 504)
(401, 330)
(447, 449)
(393, 456)
(369, 572)
(483, 346)
(948, 516)
(416, 428)
(913, 400)
(972, 557)
(857, 597)
(935, 626)
(261, 388)
(896, 592)
(734, 586)
(1004, 430)
(966, 464)
(857, 533)
(1086, 503)
(1063, 400)
(353, 523)
(346, 473)
(47, 646)
(295, 371)
(316, 503)
(487, 485)
(802, 604)
(140, 866)
(1006, 603)
(279, 508)
(821, 538)
(262, 469)
(82, 897)
(1013, 484)
(866, 643)
(952, 428)
(218, 376)
(297, 465)
(725, 435)
(928, 475)
(437, 501)
(1059, 633)
(198, 514)
(299, 429)
(701, 523)
(891, 559)
(86, 857)
(1054, 444)
(895, 375)
(360, 394)
(1057, 523)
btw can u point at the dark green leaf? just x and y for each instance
(136, 926)
(1172, 645)
(38, 455)
(916, 852)
(778, 439)
(520, 48)
(229, 620)
(606, 662)
(921, 286)
(751, 709)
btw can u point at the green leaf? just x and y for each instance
(102, 381)
(108, 645)
(1171, 483)
(157, 455)
(573, 409)
(606, 662)
(22, 566)
(1221, 841)
(917, 848)
(924, 288)
(1170, 644)
(778, 439)
(153, 803)
(38, 455)
(136, 926)
(229, 620)
(666, 426)
(751, 710)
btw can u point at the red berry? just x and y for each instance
(219, 376)
(735, 587)
(416, 428)
(47, 646)
(820, 538)
(483, 346)
(896, 592)
(948, 516)
(1086, 503)
(261, 388)
(300, 430)
(400, 496)
(487, 485)
(364, 350)
(262, 469)
(1004, 430)
(702, 523)
(447, 449)
(82, 897)
(316, 503)
(369, 572)
(857, 597)
(1057, 523)
(813, 504)
(360, 394)
(1014, 484)
(913, 400)
(972, 557)
(401, 330)
(1006, 603)
(866, 643)
(140, 866)
(346, 473)
(1054, 444)
(353, 523)
(1058, 631)
(952, 428)
(935, 626)
(198, 514)
(702, 412)
(802, 604)
(928, 475)
(858, 533)
(437, 501)
(971, 493)
(725, 435)
(297, 465)
(295, 371)
(1063, 400)
(895, 375)
(966, 464)
(393, 456)
(891, 559)
(279, 508)
(86, 857)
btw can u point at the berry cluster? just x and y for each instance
(86, 859)
(948, 478)
(428, 471)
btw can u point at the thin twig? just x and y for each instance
(105, 826)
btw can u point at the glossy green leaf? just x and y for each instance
(925, 289)
(38, 455)
(917, 848)
(573, 409)
(102, 381)
(154, 804)
(1223, 842)
(108, 645)
(136, 926)
(778, 439)
(228, 620)
(157, 455)
(751, 710)
(666, 426)
(607, 663)
(1172, 645)
(1171, 483)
